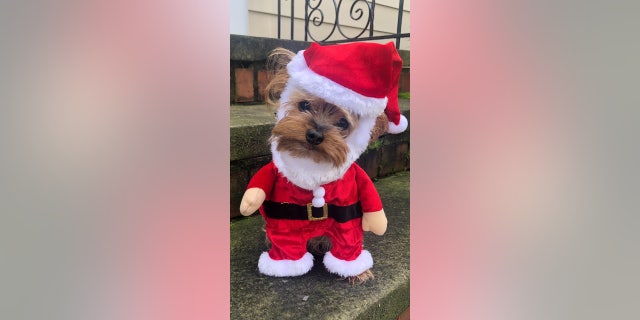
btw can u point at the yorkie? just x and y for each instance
(332, 102)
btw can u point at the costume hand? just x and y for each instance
(251, 201)
(375, 222)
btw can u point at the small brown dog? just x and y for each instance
(332, 102)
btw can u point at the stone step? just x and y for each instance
(319, 294)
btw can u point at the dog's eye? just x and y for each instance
(304, 105)
(343, 124)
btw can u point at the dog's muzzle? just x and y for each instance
(314, 137)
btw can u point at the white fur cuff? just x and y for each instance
(348, 268)
(285, 268)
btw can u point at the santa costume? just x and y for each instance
(306, 199)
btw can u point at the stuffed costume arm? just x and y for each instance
(260, 185)
(375, 222)
(373, 218)
(251, 201)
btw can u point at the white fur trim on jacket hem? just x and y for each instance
(285, 268)
(348, 268)
(302, 76)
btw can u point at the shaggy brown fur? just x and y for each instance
(319, 246)
(309, 113)
(322, 117)
(277, 63)
(381, 126)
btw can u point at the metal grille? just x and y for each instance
(359, 12)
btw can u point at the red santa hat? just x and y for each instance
(361, 77)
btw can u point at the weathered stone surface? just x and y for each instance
(369, 161)
(249, 141)
(319, 294)
(246, 48)
(393, 158)
(238, 177)
(242, 115)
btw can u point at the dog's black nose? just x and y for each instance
(314, 137)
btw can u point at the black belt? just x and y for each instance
(281, 210)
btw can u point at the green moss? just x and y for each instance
(375, 145)
(404, 95)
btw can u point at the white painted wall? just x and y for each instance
(239, 17)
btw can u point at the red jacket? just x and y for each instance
(354, 186)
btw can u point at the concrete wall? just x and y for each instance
(263, 20)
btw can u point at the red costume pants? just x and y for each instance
(289, 237)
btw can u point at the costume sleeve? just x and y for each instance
(367, 192)
(264, 179)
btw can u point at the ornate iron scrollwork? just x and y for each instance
(316, 16)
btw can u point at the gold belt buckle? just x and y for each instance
(325, 212)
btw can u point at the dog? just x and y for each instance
(313, 194)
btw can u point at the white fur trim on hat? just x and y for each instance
(348, 268)
(284, 102)
(285, 268)
(400, 127)
(302, 76)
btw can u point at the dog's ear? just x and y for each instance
(381, 126)
(277, 67)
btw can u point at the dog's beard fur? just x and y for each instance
(290, 132)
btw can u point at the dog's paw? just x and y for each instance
(365, 276)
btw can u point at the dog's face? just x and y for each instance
(314, 129)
